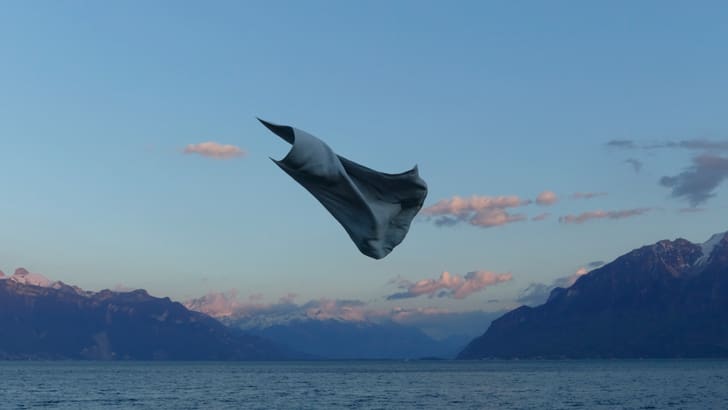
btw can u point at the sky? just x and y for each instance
(554, 136)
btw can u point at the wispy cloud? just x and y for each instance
(698, 182)
(547, 198)
(698, 144)
(692, 144)
(600, 214)
(482, 211)
(587, 195)
(635, 163)
(495, 217)
(705, 144)
(211, 149)
(541, 217)
(595, 264)
(625, 144)
(450, 285)
(537, 293)
(691, 210)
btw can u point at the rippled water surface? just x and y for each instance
(678, 384)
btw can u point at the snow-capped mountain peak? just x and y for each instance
(24, 277)
(708, 246)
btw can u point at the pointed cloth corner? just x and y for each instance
(375, 209)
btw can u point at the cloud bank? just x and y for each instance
(229, 304)
(485, 211)
(250, 312)
(450, 285)
(482, 211)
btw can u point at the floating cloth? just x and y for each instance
(375, 209)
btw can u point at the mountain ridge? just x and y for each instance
(668, 299)
(58, 321)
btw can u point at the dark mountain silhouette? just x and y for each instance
(669, 299)
(57, 321)
(338, 339)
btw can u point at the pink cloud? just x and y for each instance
(599, 214)
(541, 217)
(211, 149)
(483, 211)
(22, 275)
(547, 198)
(495, 217)
(450, 285)
(567, 281)
(587, 195)
(435, 321)
(459, 206)
(217, 304)
(579, 272)
(229, 304)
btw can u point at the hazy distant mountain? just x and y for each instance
(339, 339)
(669, 299)
(349, 329)
(40, 319)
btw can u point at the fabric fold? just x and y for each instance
(375, 208)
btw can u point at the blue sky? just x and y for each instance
(490, 99)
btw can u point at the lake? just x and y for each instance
(637, 384)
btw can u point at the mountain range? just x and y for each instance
(346, 329)
(665, 300)
(40, 319)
